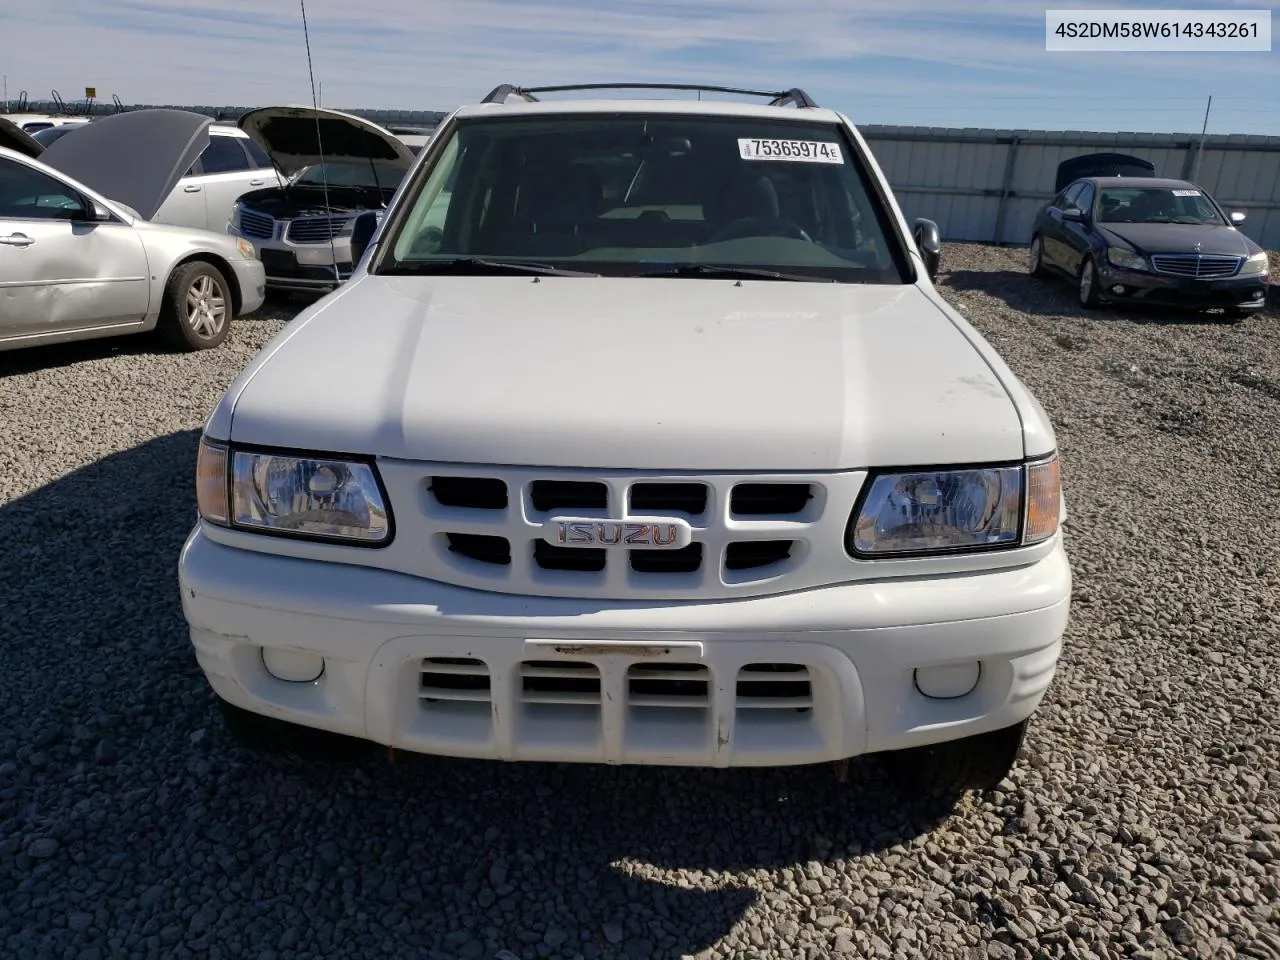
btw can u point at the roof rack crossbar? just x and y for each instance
(776, 98)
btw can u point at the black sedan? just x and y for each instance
(1149, 240)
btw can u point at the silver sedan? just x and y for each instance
(79, 258)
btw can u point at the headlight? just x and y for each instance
(246, 249)
(1127, 259)
(1255, 265)
(945, 511)
(287, 494)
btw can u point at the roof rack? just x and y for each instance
(795, 95)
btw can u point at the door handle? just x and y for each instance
(17, 240)
(256, 183)
(191, 189)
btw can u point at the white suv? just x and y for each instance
(640, 435)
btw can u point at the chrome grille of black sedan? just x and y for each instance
(1196, 266)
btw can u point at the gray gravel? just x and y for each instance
(1143, 822)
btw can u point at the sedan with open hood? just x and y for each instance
(79, 254)
(335, 166)
(1149, 240)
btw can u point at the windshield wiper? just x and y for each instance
(730, 273)
(480, 265)
(1190, 220)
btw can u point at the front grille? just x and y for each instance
(685, 560)
(258, 226)
(478, 493)
(560, 683)
(770, 499)
(1196, 266)
(486, 527)
(454, 679)
(683, 685)
(753, 554)
(315, 229)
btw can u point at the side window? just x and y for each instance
(259, 155)
(1085, 198)
(223, 155)
(27, 194)
(1070, 196)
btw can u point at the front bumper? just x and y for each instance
(1243, 293)
(251, 278)
(859, 645)
(301, 266)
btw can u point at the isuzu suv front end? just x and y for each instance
(640, 436)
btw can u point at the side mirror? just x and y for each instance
(1074, 214)
(362, 231)
(1237, 216)
(929, 245)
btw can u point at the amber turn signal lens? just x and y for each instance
(1044, 500)
(211, 482)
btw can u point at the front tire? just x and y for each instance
(196, 314)
(1035, 265)
(1088, 288)
(973, 763)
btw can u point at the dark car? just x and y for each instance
(1149, 240)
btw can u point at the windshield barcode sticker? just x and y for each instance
(1186, 193)
(804, 151)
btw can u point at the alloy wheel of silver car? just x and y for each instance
(206, 307)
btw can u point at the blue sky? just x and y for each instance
(976, 63)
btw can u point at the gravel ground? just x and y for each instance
(1144, 820)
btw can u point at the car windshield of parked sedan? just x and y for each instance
(372, 174)
(634, 194)
(1156, 205)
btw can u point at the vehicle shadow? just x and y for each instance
(112, 746)
(1055, 296)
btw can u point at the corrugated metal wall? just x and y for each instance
(986, 185)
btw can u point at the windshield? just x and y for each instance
(1156, 205)
(363, 173)
(635, 194)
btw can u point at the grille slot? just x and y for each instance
(579, 559)
(1196, 266)
(770, 499)
(315, 229)
(548, 495)
(491, 550)
(774, 686)
(668, 685)
(559, 682)
(690, 498)
(752, 554)
(685, 560)
(454, 679)
(478, 493)
(256, 225)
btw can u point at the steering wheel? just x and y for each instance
(760, 227)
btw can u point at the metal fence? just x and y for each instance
(986, 185)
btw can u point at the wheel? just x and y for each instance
(196, 314)
(1088, 285)
(267, 735)
(974, 763)
(1036, 265)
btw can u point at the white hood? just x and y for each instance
(655, 374)
(288, 135)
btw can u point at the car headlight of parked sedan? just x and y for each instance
(1127, 259)
(1255, 265)
(290, 494)
(945, 511)
(246, 248)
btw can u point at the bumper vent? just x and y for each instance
(491, 550)
(668, 685)
(774, 686)
(754, 554)
(454, 680)
(553, 682)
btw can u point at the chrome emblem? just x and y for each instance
(645, 534)
(1196, 246)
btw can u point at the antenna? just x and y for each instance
(324, 173)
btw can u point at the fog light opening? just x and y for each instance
(948, 682)
(1118, 288)
(292, 666)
